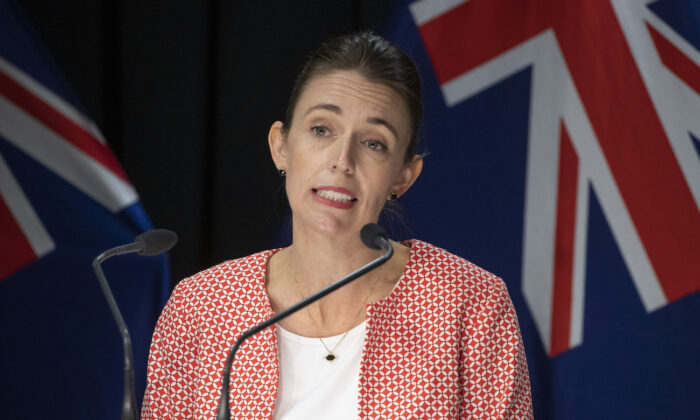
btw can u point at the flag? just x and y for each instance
(564, 156)
(64, 199)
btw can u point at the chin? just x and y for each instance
(331, 226)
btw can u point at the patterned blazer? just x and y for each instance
(445, 343)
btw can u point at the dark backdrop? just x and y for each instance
(185, 92)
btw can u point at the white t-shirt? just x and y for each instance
(311, 387)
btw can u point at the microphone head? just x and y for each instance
(156, 241)
(373, 235)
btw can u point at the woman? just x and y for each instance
(427, 335)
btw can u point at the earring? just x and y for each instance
(393, 197)
(282, 172)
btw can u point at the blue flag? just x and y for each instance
(63, 199)
(564, 157)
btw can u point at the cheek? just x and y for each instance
(293, 163)
(298, 174)
(298, 154)
(388, 175)
(380, 190)
(293, 183)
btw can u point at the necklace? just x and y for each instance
(331, 356)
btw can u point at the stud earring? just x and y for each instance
(282, 172)
(393, 197)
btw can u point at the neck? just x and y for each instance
(314, 261)
(320, 261)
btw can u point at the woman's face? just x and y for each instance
(344, 153)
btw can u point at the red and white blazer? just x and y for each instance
(445, 343)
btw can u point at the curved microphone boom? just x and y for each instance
(374, 237)
(150, 243)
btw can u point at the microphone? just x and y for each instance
(374, 237)
(150, 243)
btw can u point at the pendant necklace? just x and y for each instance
(331, 356)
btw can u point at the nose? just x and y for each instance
(343, 156)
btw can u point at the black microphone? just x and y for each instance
(374, 237)
(153, 242)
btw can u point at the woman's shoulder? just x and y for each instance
(441, 269)
(239, 275)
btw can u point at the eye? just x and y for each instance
(376, 145)
(320, 131)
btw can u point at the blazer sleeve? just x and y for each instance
(494, 377)
(172, 376)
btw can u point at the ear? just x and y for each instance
(278, 145)
(408, 175)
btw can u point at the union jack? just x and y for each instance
(614, 106)
(52, 131)
(63, 199)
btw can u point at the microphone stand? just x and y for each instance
(224, 411)
(129, 404)
(153, 242)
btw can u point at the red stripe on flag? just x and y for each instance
(466, 37)
(676, 61)
(635, 145)
(59, 124)
(15, 250)
(623, 116)
(564, 245)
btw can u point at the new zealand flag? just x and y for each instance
(63, 200)
(564, 157)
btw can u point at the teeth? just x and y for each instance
(333, 195)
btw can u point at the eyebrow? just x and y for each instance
(328, 107)
(372, 120)
(385, 123)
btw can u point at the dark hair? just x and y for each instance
(376, 60)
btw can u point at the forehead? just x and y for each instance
(355, 96)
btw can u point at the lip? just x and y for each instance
(337, 204)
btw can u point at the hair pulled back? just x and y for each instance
(375, 59)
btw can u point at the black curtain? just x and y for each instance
(185, 92)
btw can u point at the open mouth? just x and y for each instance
(338, 197)
(334, 196)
